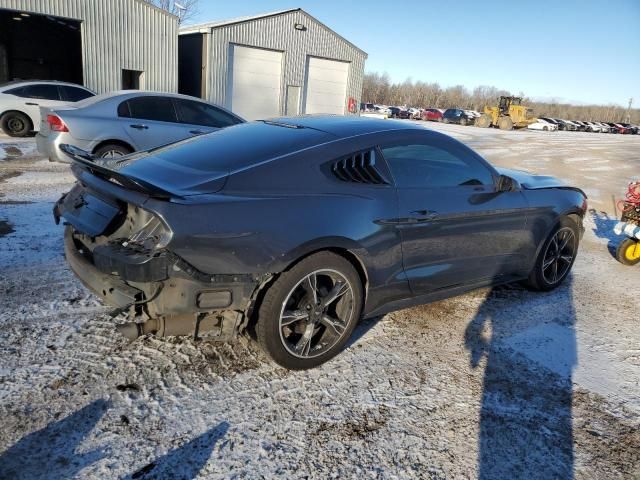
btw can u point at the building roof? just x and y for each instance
(205, 26)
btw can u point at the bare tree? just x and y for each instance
(183, 9)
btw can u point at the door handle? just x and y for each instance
(31, 103)
(424, 215)
(197, 132)
(139, 126)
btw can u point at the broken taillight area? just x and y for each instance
(154, 234)
(56, 124)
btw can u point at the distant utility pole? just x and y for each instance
(628, 119)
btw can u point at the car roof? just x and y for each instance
(18, 83)
(343, 126)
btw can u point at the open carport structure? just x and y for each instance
(284, 62)
(102, 44)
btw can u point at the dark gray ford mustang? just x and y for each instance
(295, 228)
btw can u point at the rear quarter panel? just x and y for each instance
(295, 207)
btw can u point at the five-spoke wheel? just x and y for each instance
(556, 256)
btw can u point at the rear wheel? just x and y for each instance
(310, 311)
(628, 252)
(16, 124)
(483, 121)
(546, 129)
(463, 122)
(112, 150)
(505, 123)
(445, 120)
(556, 257)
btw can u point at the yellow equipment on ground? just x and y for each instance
(508, 114)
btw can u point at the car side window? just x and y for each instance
(151, 108)
(428, 166)
(74, 94)
(42, 91)
(199, 113)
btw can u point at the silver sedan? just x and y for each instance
(119, 123)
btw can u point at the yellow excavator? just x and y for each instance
(508, 114)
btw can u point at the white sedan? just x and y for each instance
(543, 125)
(20, 103)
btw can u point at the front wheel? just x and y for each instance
(628, 252)
(310, 311)
(556, 257)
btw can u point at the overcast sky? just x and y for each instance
(568, 50)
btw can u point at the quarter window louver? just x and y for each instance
(359, 168)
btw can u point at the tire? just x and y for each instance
(483, 121)
(463, 122)
(291, 292)
(505, 123)
(16, 124)
(628, 252)
(545, 129)
(111, 150)
(445, 120)
(541, 277)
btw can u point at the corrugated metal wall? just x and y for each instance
(278, 33)
(116, 35)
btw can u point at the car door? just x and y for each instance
(34, 96)
(200, 118)
(150, 121)
(456, 226)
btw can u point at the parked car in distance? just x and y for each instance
(191, 236)
(432, 114)
(415, 113)
(20, 103)
(397, 112)
(367, 107)
(457, 115)
(631, 128)
(119, 123)
(604, 128)
(565, 125)
(543, 125)
(592, 127)
(552, 121)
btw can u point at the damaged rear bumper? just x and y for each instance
(160, 285)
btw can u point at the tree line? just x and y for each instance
(378, 88)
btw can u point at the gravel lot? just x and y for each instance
(496, 384)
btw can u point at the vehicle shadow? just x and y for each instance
(184, 462)
(525, 426)
(604, 229)
(52, 452)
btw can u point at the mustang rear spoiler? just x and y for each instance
(97, 166)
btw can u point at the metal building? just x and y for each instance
(280, 63)
(102, 44)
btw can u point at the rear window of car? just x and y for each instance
(200, 113)
(154, 108)
(233, 148)
(74, 94)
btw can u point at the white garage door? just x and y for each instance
(256, 77)
(326, 86)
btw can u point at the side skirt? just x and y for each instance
(440, 295)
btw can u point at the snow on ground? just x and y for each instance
(500, 383)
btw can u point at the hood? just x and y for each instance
(530, 181)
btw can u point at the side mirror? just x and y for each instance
(507, 184)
